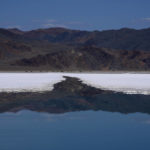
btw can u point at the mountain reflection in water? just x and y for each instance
(72, 95)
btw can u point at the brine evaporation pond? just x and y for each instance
(91, 111)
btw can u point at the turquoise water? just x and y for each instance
(85, 130)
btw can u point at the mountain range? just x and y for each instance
(61, 49)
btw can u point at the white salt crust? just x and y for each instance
(129, 83)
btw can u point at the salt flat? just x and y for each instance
(26, 82)
(131, 83)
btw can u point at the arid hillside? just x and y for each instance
(60, 49)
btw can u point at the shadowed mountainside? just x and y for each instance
(125, 38)
(60, 49)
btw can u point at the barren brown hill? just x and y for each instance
(74, 50)
(89, 58)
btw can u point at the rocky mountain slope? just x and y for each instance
(74, 50)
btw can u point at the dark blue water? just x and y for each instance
(86, 130)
